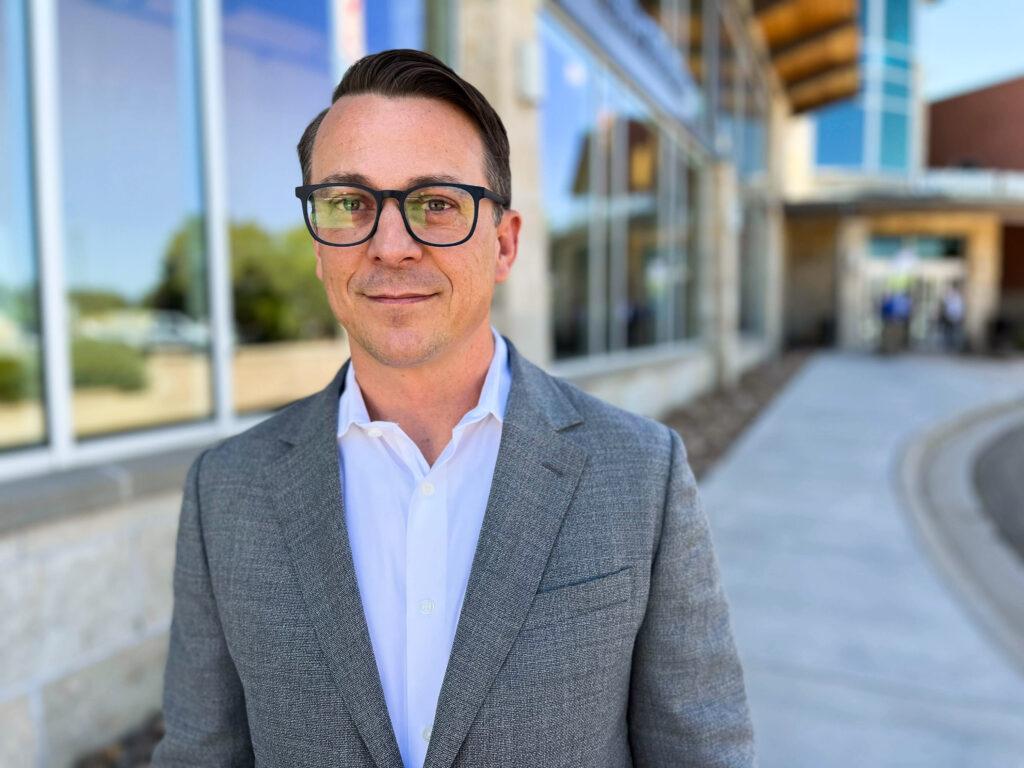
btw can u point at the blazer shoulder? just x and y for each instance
(614, 429)
(245, 452)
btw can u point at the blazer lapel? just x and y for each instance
(308, 500)
(535, 476)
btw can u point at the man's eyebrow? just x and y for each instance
(358, 178)
(345, 178)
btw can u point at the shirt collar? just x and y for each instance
(492, 401)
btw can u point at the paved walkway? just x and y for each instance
(856, 651)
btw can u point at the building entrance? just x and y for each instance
(925, 281)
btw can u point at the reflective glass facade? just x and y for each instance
(570, 158)
(22, 420)
(132, 204)
(183, 263)
(620, 201)
(277, 77)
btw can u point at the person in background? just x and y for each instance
(896, 310)
(951, 318)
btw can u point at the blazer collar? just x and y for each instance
(535, 477)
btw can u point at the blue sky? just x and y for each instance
(966, 44)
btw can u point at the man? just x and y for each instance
(446, 557)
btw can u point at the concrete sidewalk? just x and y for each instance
(856, 650)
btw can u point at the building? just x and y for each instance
(979, 131)
(157, 290)
(866, 214)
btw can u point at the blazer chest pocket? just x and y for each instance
(595, 596)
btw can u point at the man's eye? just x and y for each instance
(348, 203)
(437, 205)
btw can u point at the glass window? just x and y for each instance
(753, 247)
(621, 203)
(896, 89)
(637, 257)
(567, 153)
(21, 405)
(901, 63)
(920, 246)
(754, 119)
(277, 75)
(132, 215)
(394, 24)
(681, 22)
(729, 91)
(897, 21)
(895, 139)
(885, 246)
(647, 268)
(691, 45)
(683, 220)
(840, 135)
(426, 25)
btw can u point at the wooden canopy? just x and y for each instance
(814, 46)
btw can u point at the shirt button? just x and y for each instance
(427, 489)
(426, 606)
(426, 734)
(374, 432)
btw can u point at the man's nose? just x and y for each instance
(392, 242)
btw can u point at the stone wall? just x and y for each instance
(86, 606)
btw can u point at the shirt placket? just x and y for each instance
(426, 577)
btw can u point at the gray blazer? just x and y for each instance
(594, 630)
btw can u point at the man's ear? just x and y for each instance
(508, 244)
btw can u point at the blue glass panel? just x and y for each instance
(277, 79)
(841, 135)
(895, 141)
(897, 21)
(394, 24)
(899, 90)
(897, 62)
(132, 213)
(21, 409)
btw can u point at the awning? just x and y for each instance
(814, 47)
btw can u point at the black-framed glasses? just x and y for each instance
(434, 214)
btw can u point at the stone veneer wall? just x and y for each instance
(86, 607)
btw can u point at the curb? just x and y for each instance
(935, 483)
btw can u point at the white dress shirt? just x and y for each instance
(413, 530)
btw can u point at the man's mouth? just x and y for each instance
(400, 298)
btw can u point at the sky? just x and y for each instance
(966, 44)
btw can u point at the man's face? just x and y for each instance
(390, 142)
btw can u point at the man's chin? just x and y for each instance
(402, 348)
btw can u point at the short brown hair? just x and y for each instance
(406, 72)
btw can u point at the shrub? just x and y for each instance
(97, 363)
(17, 379)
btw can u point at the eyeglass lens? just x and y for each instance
(440, 215)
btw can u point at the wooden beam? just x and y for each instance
(825, 88)
(837, 46)
(786, 22)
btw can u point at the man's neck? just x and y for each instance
(427, 401)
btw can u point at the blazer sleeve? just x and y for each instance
(203, 701)
(687, 700)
